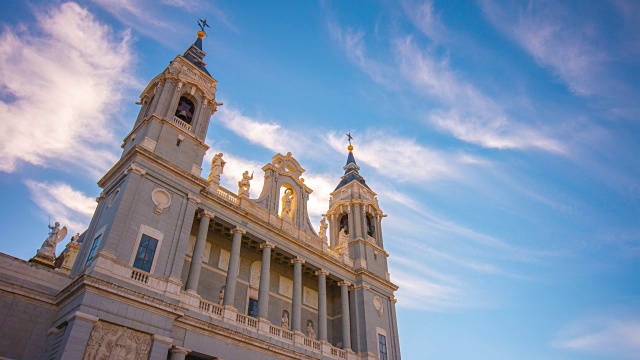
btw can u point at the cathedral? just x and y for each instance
(175, 266)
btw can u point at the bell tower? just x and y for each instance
(151, 195)
(176, 107)
(355, 220)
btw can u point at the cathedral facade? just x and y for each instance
(175, 266)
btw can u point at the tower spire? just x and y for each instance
(351, 168)
(194, 53)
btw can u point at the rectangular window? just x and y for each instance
(94, 248)
(382, 344)
(145, 254)
(253, 308)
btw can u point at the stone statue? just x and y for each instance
(75, 238)
(285, 320)
(310, 331)
(244, 184)
(221, 296)
(286, 203)
(217, 166)
(48, 248)
(343, 237)
(323, 228)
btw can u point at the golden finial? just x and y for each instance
(350, 147)
(201, 34)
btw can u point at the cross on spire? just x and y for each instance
(349, 137)
(203, 24)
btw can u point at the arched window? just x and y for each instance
(185, 110)
(344, 223)
(370, 228)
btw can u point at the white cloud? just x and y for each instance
(613, 336)
(64, 204)
(64, 84)
(270, 135)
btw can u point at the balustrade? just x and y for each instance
(181, 123)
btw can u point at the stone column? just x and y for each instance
(198, 252)
(296, 307)
(346, 321)
(232, 271)
(178, 353)
(265, 278)
(322, 304)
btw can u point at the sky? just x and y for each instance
(500, 137)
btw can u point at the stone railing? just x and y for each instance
(181, 123)
(210, 308)
(259, 326)
(228, 195)
(106, 263)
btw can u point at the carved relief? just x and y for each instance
(377, 303)
(109, 341)
(161, 198)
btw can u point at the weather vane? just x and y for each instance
(203, 24)
(349, 137)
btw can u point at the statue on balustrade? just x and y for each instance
(217, 166)
(323, 228)
(244, 184)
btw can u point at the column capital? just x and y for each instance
(297, 260)
(193, 198)
(206, 213)
(267, 244)
(179, 350)
(83, 316)
(344, 283)
(238, 229)
(322, 271)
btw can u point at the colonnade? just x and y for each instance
(265, 277)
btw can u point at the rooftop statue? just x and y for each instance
(244, 184)
(323, 228)
(217, 167)
(56, 235)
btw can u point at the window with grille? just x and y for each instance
(382, 344)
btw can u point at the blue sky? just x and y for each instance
(502, 139)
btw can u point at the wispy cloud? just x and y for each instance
(68, 206)
(464, 111)
(60, 87)
(613, 336)
(467, 113)
(581, 50)
(351, 41)
(403, 159)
